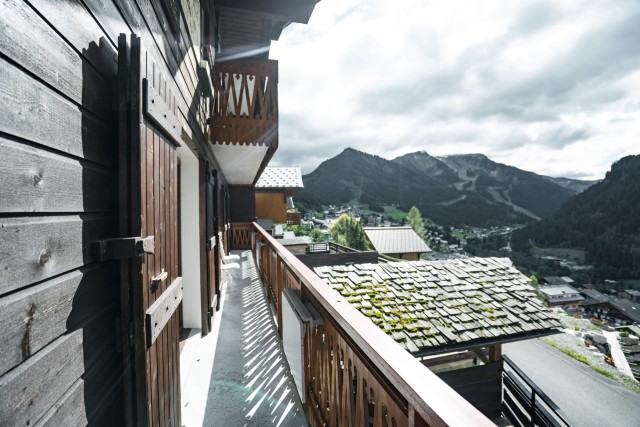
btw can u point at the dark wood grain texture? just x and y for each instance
(35, 180)
(36, 316)
(32, 111)
(36, 248)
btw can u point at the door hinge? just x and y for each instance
(211, 243)
(121, 248)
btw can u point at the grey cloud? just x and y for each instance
(561, 136)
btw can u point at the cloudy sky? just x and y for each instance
(547, 86)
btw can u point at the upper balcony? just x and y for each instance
(244, 117)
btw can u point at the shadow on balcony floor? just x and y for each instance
(251, 383)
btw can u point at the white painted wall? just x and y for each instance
(190, 249)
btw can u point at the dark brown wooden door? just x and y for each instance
(150, 136)
(213, 248)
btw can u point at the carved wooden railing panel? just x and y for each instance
(355, 374)
(291, 281)
(343, 389)
(245, 106)
(241, 233)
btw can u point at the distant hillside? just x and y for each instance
(575, 185)
(453, 190)
(604, 220)
(527, 192)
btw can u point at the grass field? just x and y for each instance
(576, 255)
(391, 211)
(631, 283)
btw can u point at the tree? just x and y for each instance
(349, 232)
(414, 219)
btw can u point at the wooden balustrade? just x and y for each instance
(355, 374)
(245, 106)
(241, 233)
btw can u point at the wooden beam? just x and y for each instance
(481, 354)
(495, 353)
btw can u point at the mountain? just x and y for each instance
(528, 193)
(604, 221)
(575, 185)
(453, 190)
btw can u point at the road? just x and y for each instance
(586, 397)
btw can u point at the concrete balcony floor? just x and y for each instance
(238, 374)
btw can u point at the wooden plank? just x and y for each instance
(32, 111)
(175, 206)
(33, 44)
(36, 316)
(160, 113)
(93, 399)
(32, 388)
(37, 248)
(35, 180)
(69, 410)
(79, 28)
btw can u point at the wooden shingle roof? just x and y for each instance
(396, 240)
(433, 307)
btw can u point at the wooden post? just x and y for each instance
(495, 353)
(279, 293)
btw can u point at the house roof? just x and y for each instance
(629, 308)
(561, 293)
(433, 307)
(593, 297)
(280, 177)
(555, 280)
(396, 240)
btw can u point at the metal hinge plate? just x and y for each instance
(122, 248)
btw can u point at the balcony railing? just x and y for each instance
(245, 107)
(355, 374)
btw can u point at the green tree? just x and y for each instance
(414, 219)
(349, 232)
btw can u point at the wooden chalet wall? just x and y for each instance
(271, 205)
(242, 207)
(62, 340)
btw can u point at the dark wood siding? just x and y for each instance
(480, 385)
(242, 203)
(60, 362)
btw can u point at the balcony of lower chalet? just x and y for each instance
(288, 350)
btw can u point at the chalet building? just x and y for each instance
(616, 311)
(563, 296)
(132, 134)
(398, 242)
(274, 194)
(630, 294)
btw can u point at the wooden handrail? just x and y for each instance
(434, 402)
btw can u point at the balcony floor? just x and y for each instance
(250, 381)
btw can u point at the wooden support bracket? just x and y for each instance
(161, 311)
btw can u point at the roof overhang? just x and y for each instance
(470, 345)
(280, 10)
(242, 164)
